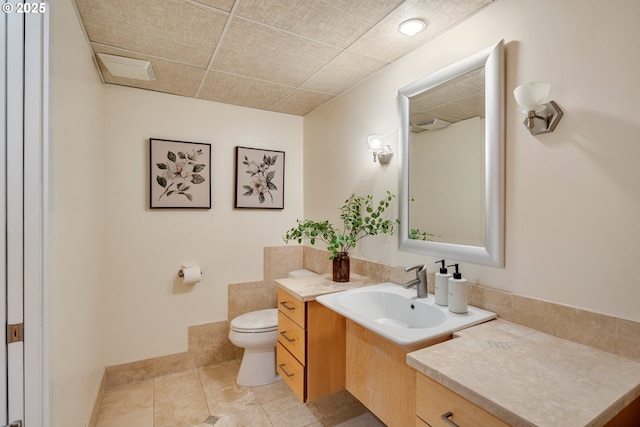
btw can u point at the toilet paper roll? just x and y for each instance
(190, 275)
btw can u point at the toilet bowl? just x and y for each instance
(257, 333)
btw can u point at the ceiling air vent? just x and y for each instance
(433, 124)
(129, 68)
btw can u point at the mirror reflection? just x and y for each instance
(446, 162)
(452, 155)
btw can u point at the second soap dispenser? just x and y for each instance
(458, 292)
(442, 284)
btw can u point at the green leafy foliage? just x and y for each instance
(361, 217)
(417, 234)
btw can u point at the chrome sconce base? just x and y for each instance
(384, 158)
(545, 121)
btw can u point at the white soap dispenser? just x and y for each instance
(458, 292)
(442, 284)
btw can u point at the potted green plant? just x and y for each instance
(361, 217)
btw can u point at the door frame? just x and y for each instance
(36, 203)
(25, 128)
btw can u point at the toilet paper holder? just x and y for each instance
(181, 272)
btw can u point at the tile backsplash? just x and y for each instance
(209, 343)
(607, 333)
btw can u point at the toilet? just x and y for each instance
(257, 333)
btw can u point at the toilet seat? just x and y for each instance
(256, 321)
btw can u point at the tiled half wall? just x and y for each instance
(209, 344)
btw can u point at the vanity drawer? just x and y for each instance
(434, 400)
(291, 371)
(292, 307)
(292, 337)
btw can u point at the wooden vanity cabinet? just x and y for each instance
(379, 377)
(310, 354)
(433, 400)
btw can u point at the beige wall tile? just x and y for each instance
(627, 348)
(209, 346)
(315, 259)
(251, 296)
(128, 372)
(209, 343)
(628, 339)
(93, 420)
(493, 300)
(172, 363)
(280, 260)
(628, 329)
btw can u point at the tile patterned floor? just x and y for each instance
(209, 396)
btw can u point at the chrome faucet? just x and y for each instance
(420, 282)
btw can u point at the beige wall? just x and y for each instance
(572, 204)
(114, 263)
(146, 310)
(76, 219)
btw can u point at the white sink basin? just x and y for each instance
(398, 315)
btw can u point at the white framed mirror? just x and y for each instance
(451, 144)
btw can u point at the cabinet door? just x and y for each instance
(325, 351)
(434, 400)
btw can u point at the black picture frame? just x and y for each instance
(179, 174)
(259, 182)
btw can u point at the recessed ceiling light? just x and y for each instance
(411, 27)
(130, 68)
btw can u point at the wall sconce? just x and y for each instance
(541, 117)
(380, 149)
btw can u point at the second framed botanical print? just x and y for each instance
(259, 178)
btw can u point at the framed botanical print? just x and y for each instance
(180, 174)
(259, 178)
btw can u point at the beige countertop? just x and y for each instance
(307, 288)
(529, 378)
